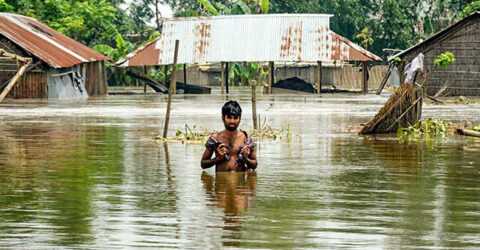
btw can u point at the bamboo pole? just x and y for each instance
(172, 87)
(14, 80)
(222, 81)
(254, 105)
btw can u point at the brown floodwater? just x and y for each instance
(91, 175)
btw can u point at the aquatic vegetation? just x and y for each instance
(191, 135)
(195, 135)
(425, 129)
(462, 100)
(476, 128)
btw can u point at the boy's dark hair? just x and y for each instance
(231, 108)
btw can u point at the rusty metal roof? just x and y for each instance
(50, 46)
(249, 38)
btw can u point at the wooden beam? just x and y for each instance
(254, 107)
(385, 79)
(365, 77)
(319, 77)
(226, 76)
(271, 67)
(222, 80)
(165, 73)
(185, 73)
(145, 72)
(170, 93)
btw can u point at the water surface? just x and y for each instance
(91, 175)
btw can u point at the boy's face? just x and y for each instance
(231, 122)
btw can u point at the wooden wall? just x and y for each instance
(31, 85)
(95, 82)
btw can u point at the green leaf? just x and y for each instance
(244, 7)
(208, 7)
(265, 6)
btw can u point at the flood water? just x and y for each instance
(91, 175)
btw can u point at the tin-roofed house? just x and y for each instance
(64, 68)
(271, 38)
(463, 76)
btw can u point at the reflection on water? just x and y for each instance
(90, 175)
(233, 192)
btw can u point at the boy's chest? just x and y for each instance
(234, 143)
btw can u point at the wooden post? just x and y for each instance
(14, 80)
(401, 72)
(170, 92)
(385, 78)
(185, 74)
(145, 71)
(222, 81)
(271, 67)
(226, 77)
(254, 106)
(165, 73)
(319, 77)
(365, 77)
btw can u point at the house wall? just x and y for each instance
(347, 77)
(95, 80)
(463, 76)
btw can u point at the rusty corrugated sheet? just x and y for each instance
(50, 46)
(249, 38)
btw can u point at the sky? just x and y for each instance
(164, 9)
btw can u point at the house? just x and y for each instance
(276, 39)
(64, 68)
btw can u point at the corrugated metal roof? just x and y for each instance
(249, 38)
(50, 46)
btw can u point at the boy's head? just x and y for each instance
(231, 115)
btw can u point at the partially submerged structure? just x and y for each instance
(63, 67)
(251, 38)
(463, 40)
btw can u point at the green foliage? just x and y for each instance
(470, 8)
(396, 60)
(208, 7)
(248, 73)
(5, 7)
(427, 129)
(365, 37)
(264, 5)
(444, 60)
(236, 7)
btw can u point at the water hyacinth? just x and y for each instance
(428, 128)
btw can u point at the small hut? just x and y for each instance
(463, 76)
(63, 67)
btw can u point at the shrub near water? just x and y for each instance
(429, 128)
